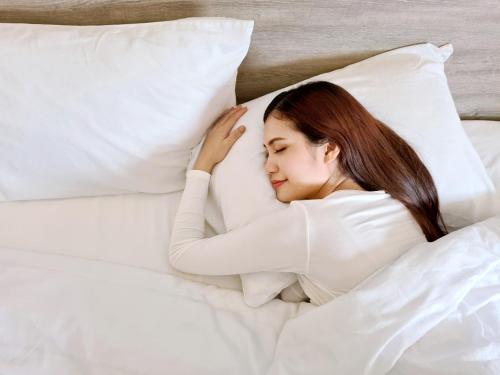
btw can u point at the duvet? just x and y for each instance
(435, 310)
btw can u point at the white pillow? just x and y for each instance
(485, 137)
(407, 89)
(98, 110)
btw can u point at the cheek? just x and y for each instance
(298, 166)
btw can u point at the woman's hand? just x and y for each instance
(220, 139)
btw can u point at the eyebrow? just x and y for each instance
(272, 140)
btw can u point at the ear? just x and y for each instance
(331, 152)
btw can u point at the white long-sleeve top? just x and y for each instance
(332, 244)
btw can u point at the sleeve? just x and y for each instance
(275, 242)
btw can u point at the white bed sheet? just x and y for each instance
(63, 315)
(128, 229)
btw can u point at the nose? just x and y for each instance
(270, 167)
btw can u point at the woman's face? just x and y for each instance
(309, 171)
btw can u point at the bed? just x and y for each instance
(85, 282)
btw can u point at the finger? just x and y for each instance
(233, 116)
(222, 117)
(218, 120)
(237, 133)
(226, 113)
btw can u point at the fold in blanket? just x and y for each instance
(435, 310)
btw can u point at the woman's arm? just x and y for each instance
(276, 242)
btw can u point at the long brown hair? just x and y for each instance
(371, 153)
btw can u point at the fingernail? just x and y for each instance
(242, 129)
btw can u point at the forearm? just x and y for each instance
(189, 223)
(253, 247)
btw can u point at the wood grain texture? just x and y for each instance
(294, 40)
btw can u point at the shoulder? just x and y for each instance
(356, 207)
(347, 200)
(362, 220)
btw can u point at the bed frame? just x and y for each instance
(294, 40)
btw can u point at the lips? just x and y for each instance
(277, 184)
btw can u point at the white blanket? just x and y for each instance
(61, 315)
(436, 310)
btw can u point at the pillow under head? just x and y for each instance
(405, 88)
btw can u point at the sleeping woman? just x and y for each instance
(359, 197)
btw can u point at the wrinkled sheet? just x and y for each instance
(435, 310)
(61, 315)
(128, 229)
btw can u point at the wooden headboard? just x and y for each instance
(294, 40)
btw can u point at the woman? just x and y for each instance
(359, 197)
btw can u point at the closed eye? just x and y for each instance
(267, 154)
